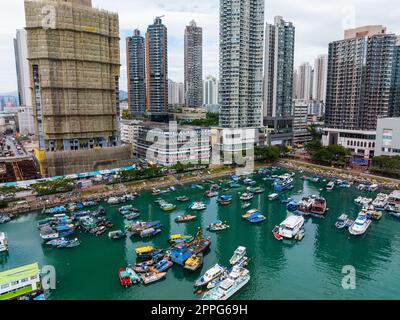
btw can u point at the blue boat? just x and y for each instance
(292, 206)
(286, 201)
(282, 183)
(224, 199)
(180, 253)
(65, 230)
(256, 218)
(162, 266)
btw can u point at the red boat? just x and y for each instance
(276, 234)
(319, 206)
(124, 278)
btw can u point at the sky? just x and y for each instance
(317, 23)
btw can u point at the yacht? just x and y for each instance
(235, 281)
(273, 196)
(197, 206)
(246, 196)
(284, 182)
(211, 274)
(238, 255)
(380, 201)
(360, 225)
(290, 227)
(330, 186)
(3, 242)
(319, 206)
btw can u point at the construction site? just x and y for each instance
(75, 65)
(18, 170)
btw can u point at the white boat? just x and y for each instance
(235, 281)
(273, 196)
(360, 225)
(290, 227)
(380, 201)
(373, 187)
(238, 255)
(330, 185)
(210, 275)
(246, 196)
(362, 201)
(113, 200)
(197, 206)
(3, 242)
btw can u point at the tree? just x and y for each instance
(270, 154)
(386, 165)
(125, 114)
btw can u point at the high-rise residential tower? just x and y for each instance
(193, 65)
(278, 80)
(395, 94)
(157, 71)
(74, 71)
(304, 81)
(320, 77)
(25, 111)
(241, 62)
(135, 58)
(360, 78)
(210, 91)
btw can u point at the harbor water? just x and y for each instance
(308, 269)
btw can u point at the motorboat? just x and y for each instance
(246, 205)
(147, 253)
(3, 242)
(117, 235)
(283, 182)
(197, 206)
(162, 266)
(256, 218)
(211, 194)
(135, 279)
(319, 206)
(292, 206)
(185, 218)
(373, 187)
(152, 277)
(249, 213)
(238, 255)
(273, 196)
(4, 219)
(180, 237)
(167, 207)
(246, 196)
(291, 226)
(360, 225)
(342, 221)
(217, 225)
(305, 205)
(124, 278)
(151, 232)
(183, 199)
(235, 281)
(225, 199)
(380, 201)
(211, 274)
(330, 186)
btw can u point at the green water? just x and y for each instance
(310, 269)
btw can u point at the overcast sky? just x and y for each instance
(317, 23)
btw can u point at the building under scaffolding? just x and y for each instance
(73, 53)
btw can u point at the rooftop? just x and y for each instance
(19, 273)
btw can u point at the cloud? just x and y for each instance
(317, 23)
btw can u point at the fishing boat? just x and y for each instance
(124, 278)
(194, 262)
(149, 278)
(224, 200)
(360, 225)
(179, 237)
(217, 225)
(200, 244)
(211, 274)
(182, 199)
(235, 281)
(185, 218)
(249, 213)
(147, 253)
(246, 205)
(117, 235)
(330, 186)
(3, 242)
(238, 255)
(128, 208)
(319, 206)
(197, 206)
(305, 205)
(151, 232)
(273, 196)
(211, 194)
(135, 279)
(246, 196)
(132, 216)
(180, 252)
(139, 226)
(162, 266)
(168, 207)
(284, 182)
(256, 218)
(290, 227)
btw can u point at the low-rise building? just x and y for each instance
(388, 137)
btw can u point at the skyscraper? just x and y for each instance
(303, 81)
(135, 57)
(176, 94)
(278, 80)
(193, 65)
(157, 70)
(241, 57)
(320, 77)
(74, 70)
(25, 117)
(210, 91)
(395, 92)
(360, 78)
